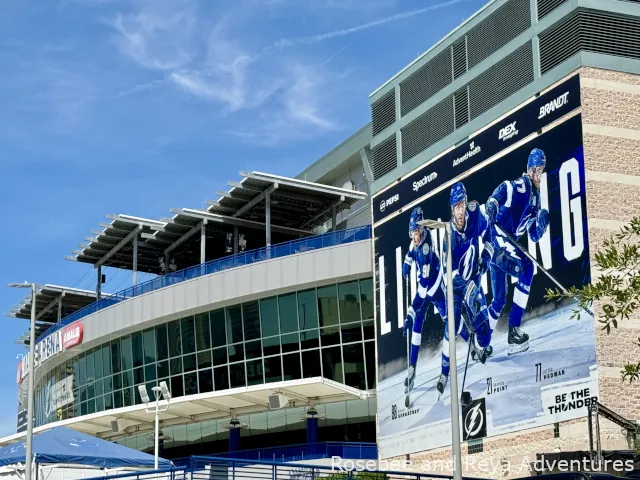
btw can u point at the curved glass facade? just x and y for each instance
(326, 331)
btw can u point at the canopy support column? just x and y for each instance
(235, 240)
(60, 307)
(135, 260)
(203, 241)
(333, 218)
(99, 283)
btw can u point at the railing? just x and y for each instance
(293, 247)
(218, 468)
(173, 473)
(304, 451)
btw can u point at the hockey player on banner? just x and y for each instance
(468, 226)
(423, 253)
(514, 209)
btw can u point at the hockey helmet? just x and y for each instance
(536, 159)
(416, 216)
(458, 193)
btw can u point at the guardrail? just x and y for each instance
(332, 239)
(300, 452)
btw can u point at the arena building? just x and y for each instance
(238, 351)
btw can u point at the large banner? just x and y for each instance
(539, 361)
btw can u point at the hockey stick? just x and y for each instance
(544, 270)
(407, 398)
(466, 399)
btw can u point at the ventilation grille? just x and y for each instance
(502, 80)
(383, 112)
(429, 128)
(545, 7)
(594, 31)
(426, 82)
(498, 29)
(385, 157)
(461, 105)
(459, 58)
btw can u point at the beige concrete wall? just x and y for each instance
(611, 121)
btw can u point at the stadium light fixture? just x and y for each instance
(29, 443)
(161, 391)
(453, 388)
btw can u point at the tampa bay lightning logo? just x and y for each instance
(425, 249)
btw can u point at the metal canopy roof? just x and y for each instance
(294, 203)
(207, 406)
(296, 208)
(52, 303)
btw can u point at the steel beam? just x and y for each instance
(122, 243)
(195, 229)
(255, 201)
(240, 222)
(325, 212)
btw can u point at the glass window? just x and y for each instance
(236, 352)
(90, 372)
(349, 302)
(330, 336)
(150, 373)
(175, 341)
(354, 366)
(332, 364)
(189, 362)
(370, 359)
(351, 332)
(290, 343)
(311, 364)
(91, 393)
(237, 376)
(251, 320)
(99, 388)
(138, 353)
(117, 381)
(269, 316)
(162, 346)
(291, 366)
(127, 379)
(176, 386)
(188, 335)
(273, 369)
(254, 372)
(221, 378)
(127, 397)
(163, 369)
(234, 324)
(218, 335)
(108, 401)
(308, 309)
(149, 340)
(288, 313)
(203, 332)
(175, 366)
(82, 371)
(117, 399)
(108, 385)
(138, 375)
(125, 353)
(205, 380)
(204, 359)
(369, 331)
(366, 298)
(271, 346)
(99, 404)
(97, 359)
(328, 305)
(190, 383)
(219, 356)
(309, 339)
(253, 349)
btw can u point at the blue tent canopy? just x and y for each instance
(63, 445)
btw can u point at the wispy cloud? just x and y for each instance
(288, 42)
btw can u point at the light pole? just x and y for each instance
(32, 343)
(453, 388)
(166, 395)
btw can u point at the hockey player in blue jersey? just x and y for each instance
(422, 252)
(468, 228)
(514, 208)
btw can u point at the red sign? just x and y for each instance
(72, 335)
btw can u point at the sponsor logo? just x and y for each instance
(72, 335)
(417, 185)
(554, 105)
(475, 420)
(473, 150)
(425, 249)
(508, 132)
(389, 201)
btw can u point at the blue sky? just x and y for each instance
(139, 106)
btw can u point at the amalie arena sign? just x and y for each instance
(57, 342)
